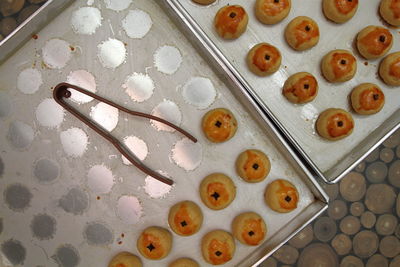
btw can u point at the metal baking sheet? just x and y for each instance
(84, 228)
(297, 121)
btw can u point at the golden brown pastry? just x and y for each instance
(249, 228)
(339, 66)
(300, 88)
(154, 243)
(281, 196)
(185, 218)
(340, 11)
(334, 124)
(272, 11)
(302, 33)
(367, 98)
(204, 2)
(264, 59)
(184, 262)
(125, 259)
(219, 125)
(389, 69)
(218, 247)
(374, 42)
(390, 11)
(253, 165)
(231, 21)
(217, 191)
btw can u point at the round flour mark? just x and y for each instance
(66, 256)
(20, 135)
(169, 111)
(98, 234)
(186, 154)
(199, 92)
(111, 53)
(137, 23)
(155, 188)
(86, 20)
(29, 81)
(46, 170)
(105, 115)
(85, 80)
(309, 112)
(129, 209)
(100, 179)
(137, 146)
(5, 105)
(74, 142)
(117, 5)
(167, 59)
(43, 226)
(56, 53)
(75, 201)
(49, 113)
(17, 197)
(14, 251)
(139, 86)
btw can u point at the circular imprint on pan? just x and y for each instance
(169, 111)
(86, 20)
(98, 234)
(155, 188)
(74, 142)
(14, 251)
(75, 201)
(137, 146)
(46, 170)
(84, 79)
(199, 92)
(105, 115)
(17, 197)
(111, 53)
(100, 179)
(129, 209)
(29, 81)
(20, 134)
(186, 154)
(66, 256)
(5, 105)
(49, 113)
(137, 23)
(167, 59)
(43, 226)
(117, 5)
(56, 53)
(139, 86)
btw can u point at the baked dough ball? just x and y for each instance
(389, 69)
(339, 66)
(204, 2)
(300, 88)
(374, 42)
(217, 247)
(154, 243)
(219, 125)
(185, 218)
(390, 11)
(231, 21)
(125, 259)
(253, 165)
(272, 11)
(334, 124)
(217, 191)
(281, 196)
(184, 262)
(340, 11)
(302, 33)
(367, 98)
(249, 228)
(264, 59)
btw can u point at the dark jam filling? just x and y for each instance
(267, 57)
(343, 62)
(288, 199)
(183, 223)
(382, 39)
(251, 233)
(232, 15)
(218, 253)
(150, 247)
(375, 96)
(306, 86)
(340, 123)
(255, 166)
(307, 28)
(218, 124)
(215, 195)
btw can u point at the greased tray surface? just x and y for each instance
(297, 121)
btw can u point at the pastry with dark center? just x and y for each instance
(272, 11)
(340, 11)
(264, 59)
(300, 88)
(218, 247)
(253, 165)
(302, 33)
(389, 69)
(154, 243)
(339, 66)
(125, 259)
(231, 21)
(367, 99)
(217, 191)
(185, 218)
(219, 125)
(334, 124)
(249, 228)
(374, 42)
(390, 11)
(281, 196)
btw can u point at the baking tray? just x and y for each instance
(96, 211)
(296, 122)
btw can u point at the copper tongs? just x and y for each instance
(62, 91)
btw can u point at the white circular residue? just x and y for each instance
(20, 134)
(167, 59)
(187, 154)
(111, 53)
(169, 111)
(86, 20)
(139, 86)
(100, 179)
(29, 81)
(49, 113)
(309, 112)
(156, 189)
(85, 80)
(117, 5)
(137, 23)
(137, 146)
(199, 92)
(105, 115)
(56, 53)
(74, 142)
(129, 209)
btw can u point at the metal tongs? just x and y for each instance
(62, 91)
